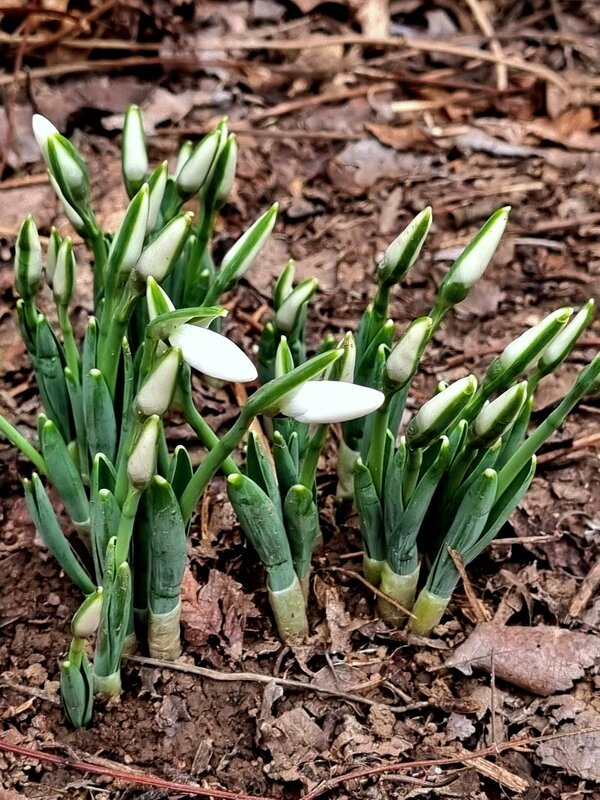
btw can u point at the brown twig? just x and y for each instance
(307, 43)
(584, 594)
(127, 776)
(480, 612)
(466, 758)
(573, 447)
(351, 573)
(482, 19)
(257, 677)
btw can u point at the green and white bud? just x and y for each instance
(288, 314)
(28, 259)
(239, 259)
(43, 130)
(134, 158)
(404, 250)
(224, 175)
(157, 299)
(87, 617)
(63, 280)
(343, 368)
(185, 151)
(157, 183)
(74, 218)
(126, 247)
(68, 168)
(527, 346)
(474, 259)
(52, 255)
(438, 414)
(494, 418)
(160, 255)
(562, 344)
(141, 466)
(196, 169)
(156, 394)
(403, 361)
(284, 284)
(284, 361)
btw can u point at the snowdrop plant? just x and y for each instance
(101, 438)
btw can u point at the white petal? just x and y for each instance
(43, 129)
(332, 401)
(213, 354)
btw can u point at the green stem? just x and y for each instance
(71, 351)
(122, 483)
(19, 441)
(213, 462)
(205, 433)
(126, 524)
(98, 246)
(427, 612)
(311, 457)
(376, 454)
(381, 304)
(113, 326)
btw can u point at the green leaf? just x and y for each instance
(99, 415)
(302, 525)
(65, 475)
(168, 546)
(369, 512)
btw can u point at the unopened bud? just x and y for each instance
(156, 394)
(404, 250)
(403, 361)
(438, 414)
(141, 466)
(288, 314)
(134, 159)
(28, 259)
(87, 617)
(161, 254)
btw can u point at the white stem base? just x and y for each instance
(402, 589)
(289, 610)
(107, 685)
(164, 635)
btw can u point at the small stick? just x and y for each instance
(584, 594)
(257, 677)
(30, 691)
(480, 612)
(484, 22)
(371, 588)
(576, 444)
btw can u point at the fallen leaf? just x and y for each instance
(543, 660)
(402, 137)
(459, 727)
(214, 616)
(576, 754)
(293, 739)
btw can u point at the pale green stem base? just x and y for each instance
(402, 589)
(163, 634)
(428, 612)
(108, 685)
(372, 570)
(289, 610)
(305, 584)
(346, 462)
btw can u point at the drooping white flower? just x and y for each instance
(323, 402)
(207, 351)
(87, 618)
(213, 354)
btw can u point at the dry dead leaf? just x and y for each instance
(217, 612)
(577, 754)
(543, 660)
(402, 137)
(293, 739)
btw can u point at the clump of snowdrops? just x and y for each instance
(448, 484)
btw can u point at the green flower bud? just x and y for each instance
(185, 151)
(134, 159)
(160, 255)
(196, 169)
(157, 183)
(126, 247)
(562, 344)
(494, 418)
(224, 174)
(343, 369)
(288, 314)
(74, 218)
(404, 250)
(284, 285)
(239, 259)
(523, 350)
(28, 259)
(403, 361)
(474, 259)
(284, 361)
(439, 413)
(52, 255)
(156, 393)
(87, 617)
(141, 465)
(63, 280)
